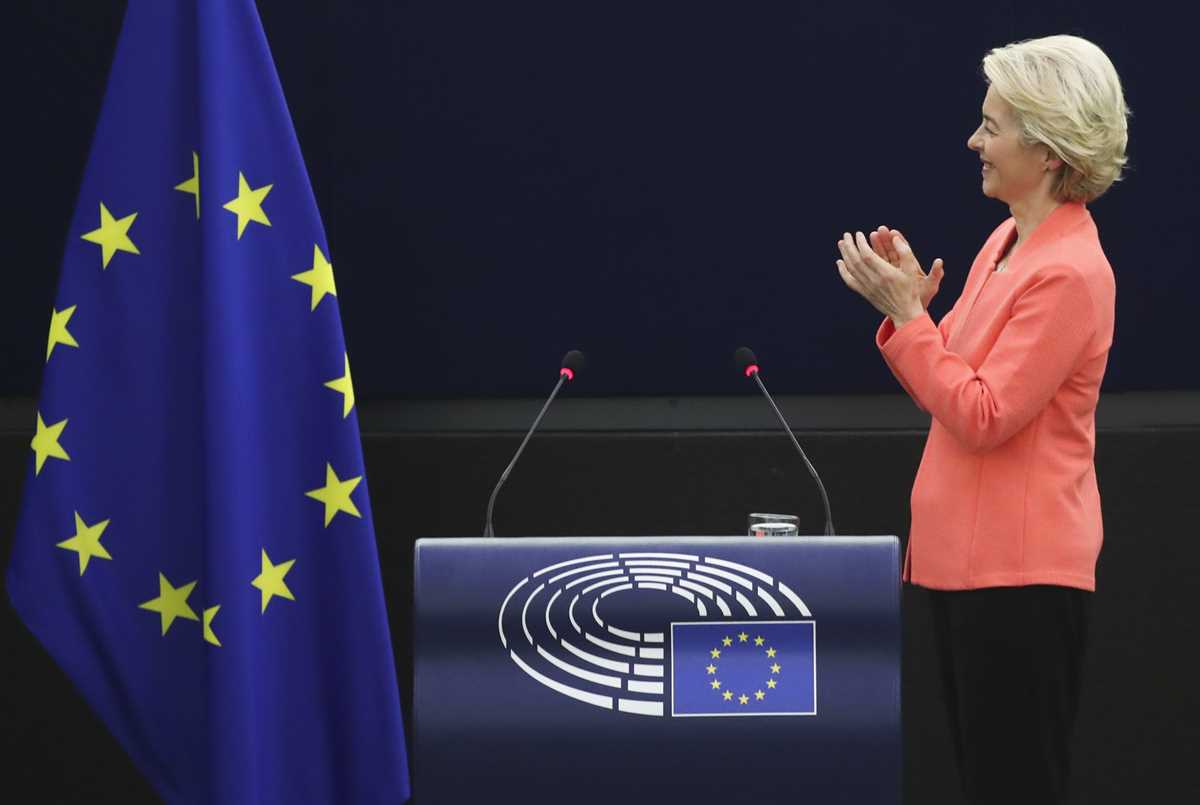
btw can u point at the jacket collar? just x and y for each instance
(1062, 220)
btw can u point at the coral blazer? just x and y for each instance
(1006, 492)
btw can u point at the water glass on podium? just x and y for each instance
(766, 524)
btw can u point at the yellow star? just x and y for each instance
(743, 637)
(727, 695)
(271, 582)
(45, 442)
(113, 235)
(712, 669)
(319, 277)
(775, 668)
(771, 683)
(336, 495)
(716, 684)
(758, 694)
(771, 652)
(346, 386)
(758, 641)
(209, 636)
(728, 641)
(743, 699)
(58, 330)
(192, 186)
(171, 603)
(248, 204)
(86, 542)
(716, 653)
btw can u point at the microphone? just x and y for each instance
(748, 363)
(572, 363)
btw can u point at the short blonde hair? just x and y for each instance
(1068, 97)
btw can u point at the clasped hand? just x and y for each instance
(886, 273)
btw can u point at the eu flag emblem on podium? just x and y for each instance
(195, 545)
(746, 668)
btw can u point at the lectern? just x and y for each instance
(622, 671)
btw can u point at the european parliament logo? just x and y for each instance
(747, 646)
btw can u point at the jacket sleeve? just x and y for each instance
(888, 329)
(1049, 328)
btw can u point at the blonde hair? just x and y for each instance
(1067, 96)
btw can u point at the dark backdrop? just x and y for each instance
(654, 182)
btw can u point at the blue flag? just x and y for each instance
(195, 545)
(749, 668)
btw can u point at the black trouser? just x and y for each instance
(1011, 661)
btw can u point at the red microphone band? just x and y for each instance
(570, 374)
(752, 369)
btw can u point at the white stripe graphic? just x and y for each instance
(795, 599)
(575, 670)
(640, 707)
(657, 563)
(651, 653)
(596, 613)
(599, 575)
(684, 594)
(645, 586)
(656, 579)
(612, 665)
(612, 590)
(749, 571)
(572, 562)
(600, 584)
(771, 602)
(585, 569)
(654, 637)
(684, 556)
(575, 693)
(725, 574)
(625, 634)
(654, 571)
(628, 651)
(648, 670)
(525, 612)
(700, 588)
(703, 610)
(553, 633)
(746, 605)
(500, 620)
(711, 582)
(638, 686)
(571, 614)
(721, 605)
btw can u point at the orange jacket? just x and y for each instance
(1006, 492)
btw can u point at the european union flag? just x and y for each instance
(744, 668)
(195, 545)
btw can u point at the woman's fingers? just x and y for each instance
(850, 267)
(906, 253)
(870, 260)
(848, 278)
(886, 248)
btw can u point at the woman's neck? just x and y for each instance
(1030, 212)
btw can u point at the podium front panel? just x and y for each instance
(657, 670)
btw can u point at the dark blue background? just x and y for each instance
(655, 183)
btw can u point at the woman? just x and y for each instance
(1006, 525)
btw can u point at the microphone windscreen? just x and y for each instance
(574, 360)
(744, 356)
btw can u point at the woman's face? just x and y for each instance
(1012, 171)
